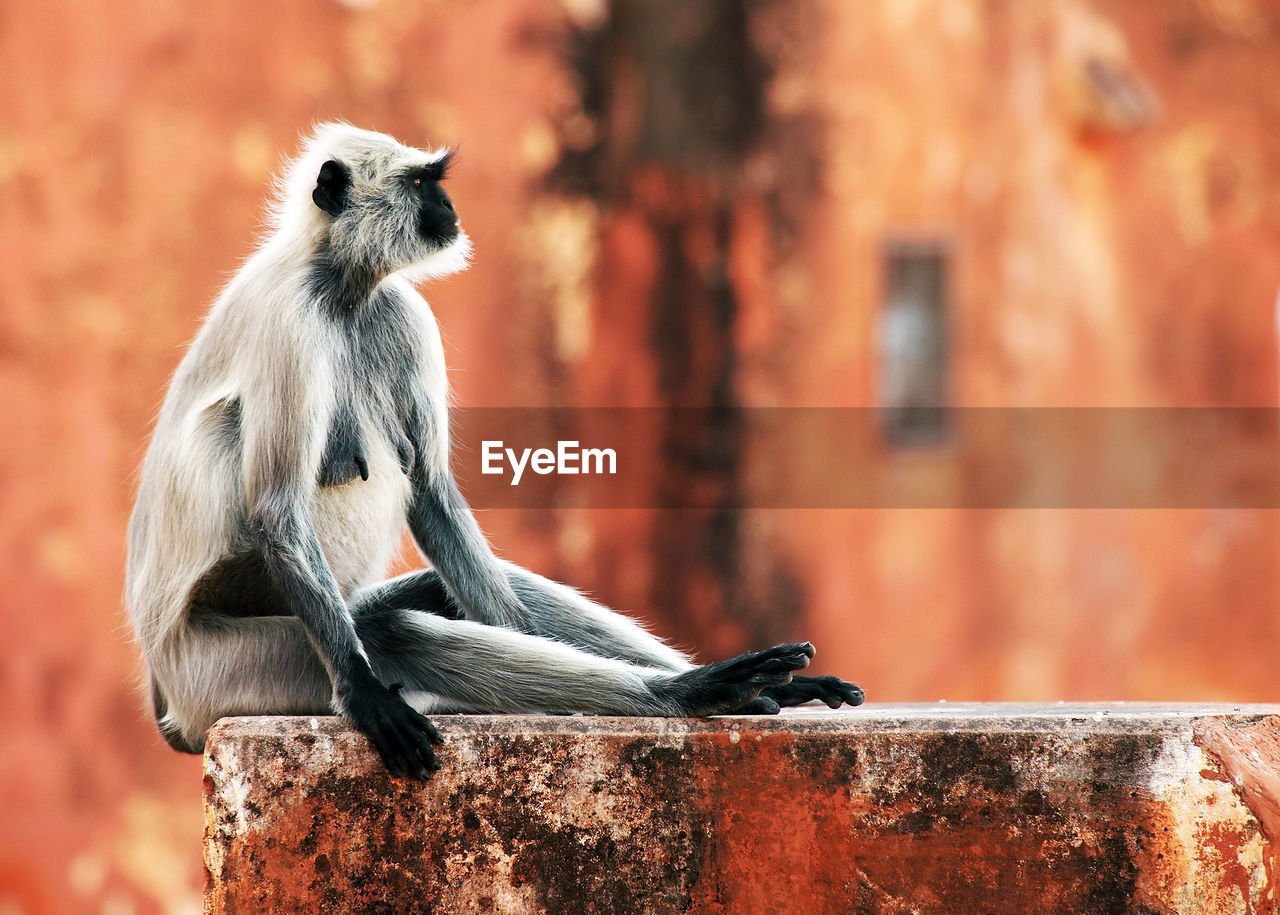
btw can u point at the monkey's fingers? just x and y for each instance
(433, 734)
(385, 748)
(418, 734)
(852, 693)
(415, 744)
(423, 734)
(401, 736)
(412, 729)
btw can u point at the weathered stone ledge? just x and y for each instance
(909, 808)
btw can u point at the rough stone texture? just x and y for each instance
(911, 808)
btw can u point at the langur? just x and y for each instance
(306, 425)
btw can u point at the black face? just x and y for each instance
(437, 221)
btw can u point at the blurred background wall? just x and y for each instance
(782, 203)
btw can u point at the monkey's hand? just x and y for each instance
(402, 737)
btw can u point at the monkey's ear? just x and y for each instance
(332, 185)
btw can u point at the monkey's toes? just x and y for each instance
(832, 691)
(761, 705)
(836, 692)
(773, 667)
(852, 693)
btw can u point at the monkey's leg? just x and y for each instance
(484, 668)
(563, 614)
(554, 612)
(221, 665)
(559, 612)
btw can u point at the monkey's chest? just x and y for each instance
(347, 447)
(359, 507)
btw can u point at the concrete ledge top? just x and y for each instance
(1007, 717)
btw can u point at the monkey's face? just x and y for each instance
(390, 213)
(437, 219)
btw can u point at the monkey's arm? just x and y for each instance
(447, 532)
(282, 442)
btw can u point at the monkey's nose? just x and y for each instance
(441, 199)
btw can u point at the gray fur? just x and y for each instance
(306, 425)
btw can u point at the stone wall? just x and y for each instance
(924, 808)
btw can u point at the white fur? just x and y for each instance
(259, 329)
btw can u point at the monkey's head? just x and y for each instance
(374, 204)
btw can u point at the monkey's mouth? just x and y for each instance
(441, 236)
(439, 226)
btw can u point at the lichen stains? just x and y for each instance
(965, 764)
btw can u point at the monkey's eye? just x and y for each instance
(417, 182)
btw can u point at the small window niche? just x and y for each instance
(913, 339)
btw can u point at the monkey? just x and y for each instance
(305, 427)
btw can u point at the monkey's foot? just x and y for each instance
(718, 688)
(760, 705)
(831, 690)
(397, 731)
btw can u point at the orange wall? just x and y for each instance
(1097, 262)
